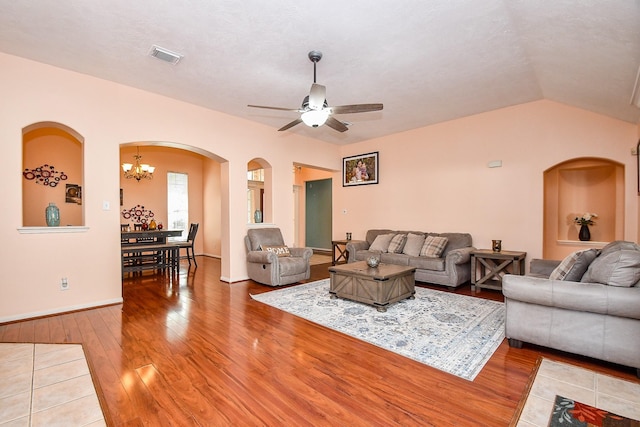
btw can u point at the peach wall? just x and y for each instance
(437, 179)
(107, 115)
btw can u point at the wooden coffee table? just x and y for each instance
(378, 286)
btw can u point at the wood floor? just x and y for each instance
(197, 351)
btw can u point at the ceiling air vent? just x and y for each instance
(165, 55)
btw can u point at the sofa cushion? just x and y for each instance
(433, 246)
(397, 244)
(617, 268)
(372, 234)
(280, 250)
(424, 263)
(618, 245)
(413, 244)
(396, 259)
(381, 243)
(573, 267)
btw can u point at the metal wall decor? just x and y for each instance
(45, 175)
(139, 214)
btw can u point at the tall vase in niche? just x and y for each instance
(257, 216)
(52, 215)
(584, 235)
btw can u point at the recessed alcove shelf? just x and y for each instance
(590, 243)
(573, 188)
(53, 230)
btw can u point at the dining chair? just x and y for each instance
(191, 238)
(124, 227)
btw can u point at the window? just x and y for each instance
(178, 203)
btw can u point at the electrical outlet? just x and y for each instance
(64, 284)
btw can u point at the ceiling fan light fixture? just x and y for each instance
(315, 118)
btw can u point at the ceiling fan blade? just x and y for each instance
(317, 96)
(290, 125)
(274, 108)
(356, 108)
(336, 124)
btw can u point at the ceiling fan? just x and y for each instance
(315, 110)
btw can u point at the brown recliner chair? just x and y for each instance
(269, 268)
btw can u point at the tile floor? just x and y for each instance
(601, 391)
(47, 385)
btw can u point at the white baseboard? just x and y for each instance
(60, 310)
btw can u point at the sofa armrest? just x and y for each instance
(459, 256)
(356, 245)
(576, 296)
(301, 252)
(543, 267)
(262, 257)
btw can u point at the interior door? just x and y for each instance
(318, 209)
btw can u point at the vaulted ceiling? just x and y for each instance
(427, 61)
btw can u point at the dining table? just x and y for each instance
(138, 237)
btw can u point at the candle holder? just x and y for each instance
(496, 245)
(348, 236)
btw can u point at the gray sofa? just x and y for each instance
(451, 269)
(594, 310)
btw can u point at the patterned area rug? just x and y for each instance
(454, 333)
(560, 394)
(568, 412)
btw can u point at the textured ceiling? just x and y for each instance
(426, 61)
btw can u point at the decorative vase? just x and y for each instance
(152, 224)
(584, 235)
(52, 215)
(160, 226)
(145, 226)
(257, 216)
(373, 261)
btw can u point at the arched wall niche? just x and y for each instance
(577, 186)
(260, 194)
(52, 164)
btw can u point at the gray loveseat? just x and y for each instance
(590, 306)
(452, 268)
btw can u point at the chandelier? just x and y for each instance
(138, 171)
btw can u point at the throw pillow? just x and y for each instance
(619, 268)
(573, 267)
(414, 244)
(381, 242)
(281, 251)
(397, 244)
(433, 246)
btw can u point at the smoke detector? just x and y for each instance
(165, 55)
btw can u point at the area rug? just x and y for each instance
(560, 394)
(569, 412)
(454, 333)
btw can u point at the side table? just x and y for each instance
(494, 265)
(339, 252)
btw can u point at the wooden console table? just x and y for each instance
(494, 265)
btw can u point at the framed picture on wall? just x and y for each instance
(73, 194)
(638, 165)
(360, 170)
